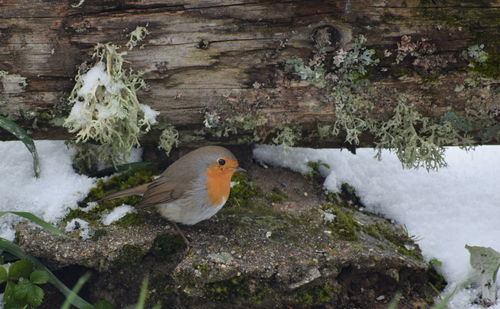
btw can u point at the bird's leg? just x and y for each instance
(188, 244)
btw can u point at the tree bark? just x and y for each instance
(204, 55)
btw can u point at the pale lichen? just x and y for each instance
(237, 119)
(313, 73)
(136, 36)
(347, 85)
(12, 83)
(288, 136)
(169, 139)
(106, 109)
(477, 53)
(418, 141)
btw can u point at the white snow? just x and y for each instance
(117, 213)
(51, 196)
(79, 225)
(97, 76)
(149, 113)
(447, 209)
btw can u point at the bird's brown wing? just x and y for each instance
(161, 191)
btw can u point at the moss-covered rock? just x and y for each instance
(255, 253)
(92, 207)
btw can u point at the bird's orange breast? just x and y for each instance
(218, 184)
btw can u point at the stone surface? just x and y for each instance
(258, 254)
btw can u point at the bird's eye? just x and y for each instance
(221, 161)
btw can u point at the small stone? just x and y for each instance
(380, 298)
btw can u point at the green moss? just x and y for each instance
(204, 270)
(167, 244)
(243, 191)
(344, 225)
(346, 198)
(103, 188)
(236, 289)
(435, 279)
(276, 195)
(130, 219)
(315, 295)
(403, 242)
(130, 257)
(98, 234)
(314, 175)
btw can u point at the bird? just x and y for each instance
(190, 190)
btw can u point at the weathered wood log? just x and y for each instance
(208, 56)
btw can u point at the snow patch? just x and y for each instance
(117, 213)
(79, 225)
(149, 113)
(446, 209)
(51, 196)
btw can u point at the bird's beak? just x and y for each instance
(239, 169)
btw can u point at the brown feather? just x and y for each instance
(132, 191)
(161, 191)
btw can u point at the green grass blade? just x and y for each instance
(23, 136)
(49, 227)
(74, 292)
(142, 294)
(394, 302)
(15, 250)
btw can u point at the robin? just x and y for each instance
(192, 189)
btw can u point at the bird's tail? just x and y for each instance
(139, 190)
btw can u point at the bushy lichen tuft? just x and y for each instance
(169, 139)
(347, 83)
(418, 141)
(106, 109)
(136, 36)
(288, 136)
(236, 122)
(313, 73)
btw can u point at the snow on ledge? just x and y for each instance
(447, 209)
(51, 196)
